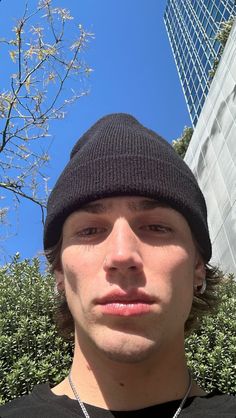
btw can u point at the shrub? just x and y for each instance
(31, 351)
(181, 144)
(222, 36)
(211, 350)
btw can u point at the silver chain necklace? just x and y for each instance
(86, 414)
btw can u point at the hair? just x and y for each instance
(203, 304)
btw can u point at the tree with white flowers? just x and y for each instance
(41, 61)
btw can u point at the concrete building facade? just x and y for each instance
(212, 157)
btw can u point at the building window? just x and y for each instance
(192, 25)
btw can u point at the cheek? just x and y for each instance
(173, 268)
(181, 280)
(80, 266)
(172, 260)
(77, 287)
(177, 286)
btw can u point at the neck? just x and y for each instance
(107, 384)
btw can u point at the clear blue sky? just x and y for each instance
(134, 72)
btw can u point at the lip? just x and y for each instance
(125, 304)
(125, 298)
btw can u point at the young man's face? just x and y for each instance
(128, 267)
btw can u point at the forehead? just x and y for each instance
(132, 203)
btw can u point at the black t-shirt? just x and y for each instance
(42, 403)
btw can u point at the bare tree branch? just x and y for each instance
(44, 63)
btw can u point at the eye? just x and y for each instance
(157, 228)
(90, 231)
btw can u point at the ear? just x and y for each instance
(199, 271)
(60, 280)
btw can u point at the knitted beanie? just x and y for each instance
(118, 156)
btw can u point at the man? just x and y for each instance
(127, 237)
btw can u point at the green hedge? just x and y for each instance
(211, 350)
(31, 351)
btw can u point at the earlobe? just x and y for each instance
(60, 281)
(200, 276)
(201, 288)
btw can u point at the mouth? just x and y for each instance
(125, 304)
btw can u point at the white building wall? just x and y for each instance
(212, 157)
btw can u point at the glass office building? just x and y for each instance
(191, 26)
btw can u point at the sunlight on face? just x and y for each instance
(128, 268)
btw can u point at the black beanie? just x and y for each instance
(118, 156)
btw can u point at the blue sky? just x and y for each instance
(133, 72)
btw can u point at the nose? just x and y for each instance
(123, 253)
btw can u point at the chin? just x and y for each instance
(127, 348)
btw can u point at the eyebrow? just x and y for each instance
(146, 204)
(93, 207)
(134, 206)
